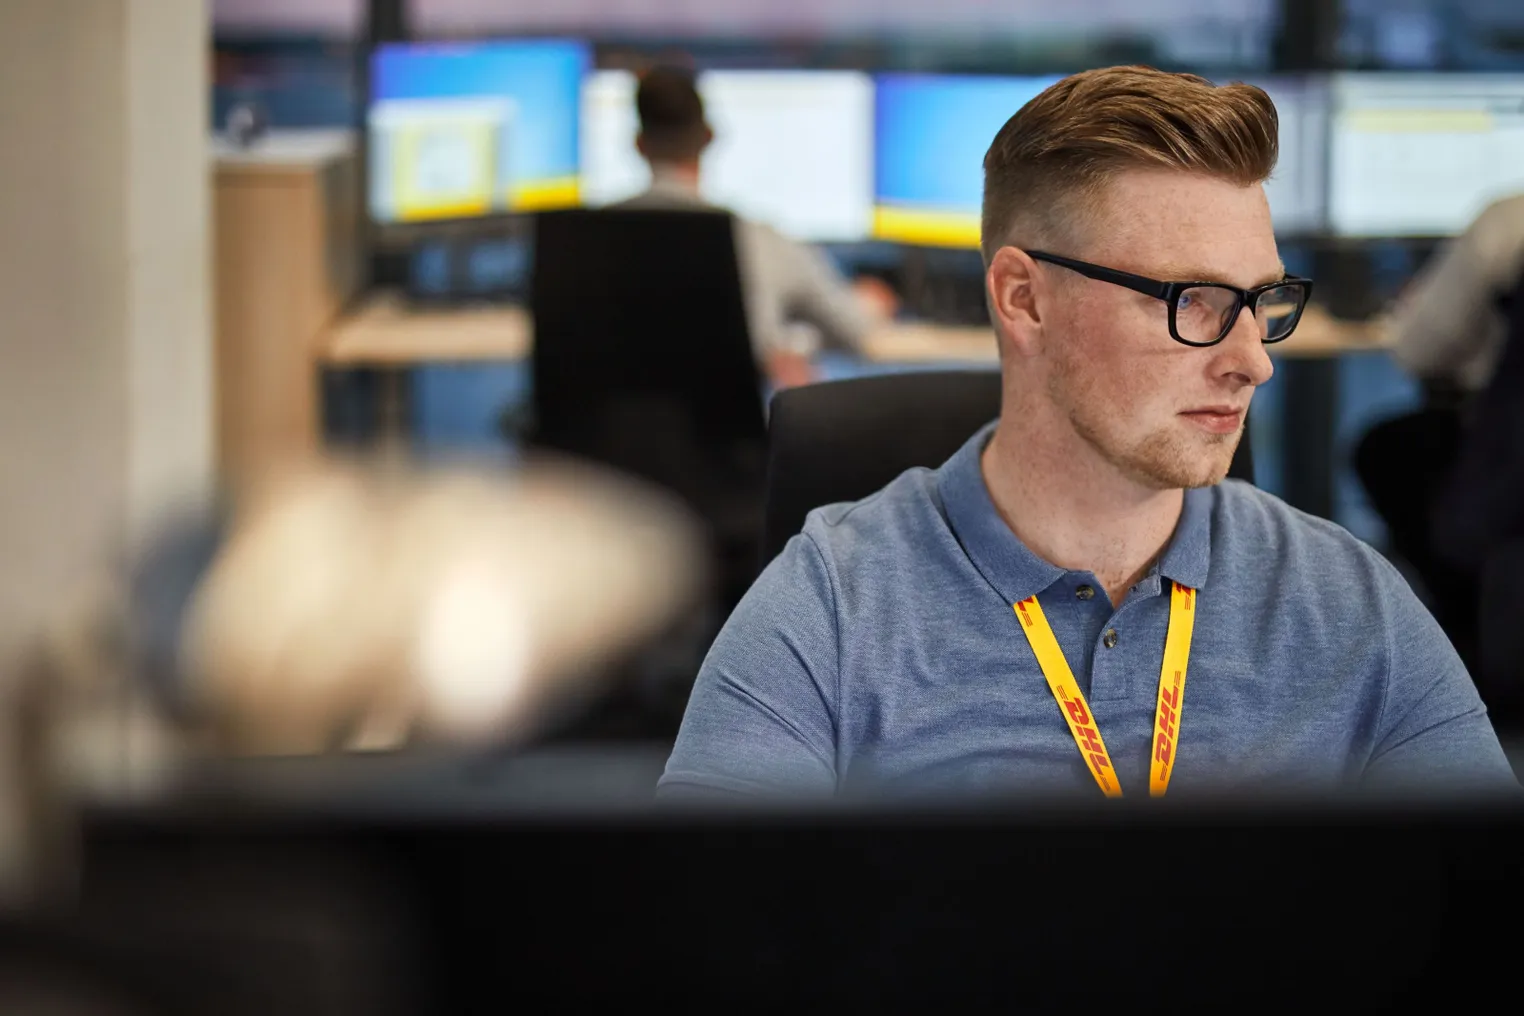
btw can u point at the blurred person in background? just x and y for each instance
(922, 640)
(1449, 330)
(1449, 326)
(786, 284)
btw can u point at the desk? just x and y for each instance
(386, 334)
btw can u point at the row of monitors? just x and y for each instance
(470, 129)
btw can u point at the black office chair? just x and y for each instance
(642, 361)
(642, 358)
(843, 440)
(1477, 529)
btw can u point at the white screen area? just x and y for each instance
(612, 169)
(1297, 189)
(793, 149)
(1421, 155)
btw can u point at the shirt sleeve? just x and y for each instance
(823, 298)
(789, 282)
(762, 716)
(1433, 733)
(1447, 319)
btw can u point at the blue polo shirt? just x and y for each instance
(880, 652)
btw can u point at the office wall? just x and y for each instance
(345, 17)
(820, 15)
(334, 17)
(105, 374)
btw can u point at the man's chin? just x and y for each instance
(1182, 479)
(1170, 458)
(1186, 468)
(1209, 478)
(1209, 470)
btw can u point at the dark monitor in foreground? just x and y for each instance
(451, 904)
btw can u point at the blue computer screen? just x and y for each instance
(464, 129)
(931, 133)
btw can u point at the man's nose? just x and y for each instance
(1244, 353)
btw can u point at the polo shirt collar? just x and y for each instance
(1015, 571)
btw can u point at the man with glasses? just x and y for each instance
(1076, 601)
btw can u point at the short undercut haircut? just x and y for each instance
(1049, 162)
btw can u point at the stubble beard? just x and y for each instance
(1166, 458)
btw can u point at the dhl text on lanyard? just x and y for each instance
(1177, 653)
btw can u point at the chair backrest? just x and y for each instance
(1482, 504)
(843, 440)
(642, 359)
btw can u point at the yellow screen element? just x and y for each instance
(445, 170)
(545, 195)
(927, 227)
(1421, 121)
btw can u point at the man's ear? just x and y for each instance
(1012, 284)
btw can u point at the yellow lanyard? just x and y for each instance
(1177, 653)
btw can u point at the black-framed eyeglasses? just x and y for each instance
(1202, 313)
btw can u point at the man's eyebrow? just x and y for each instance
(1179, 273)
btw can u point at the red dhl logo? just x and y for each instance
(1092, 742)
(1089, 738)
(1187, 597)
(1074, 707)
(1098, 763)
(1021, 608)
(1169, 713)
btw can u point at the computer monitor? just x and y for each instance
(931, 133)
(1419, 155)
(461, 130)
(791, 148)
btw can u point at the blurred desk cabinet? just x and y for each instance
(287, 243)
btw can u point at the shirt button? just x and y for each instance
(1109, 640)
(1085, 592)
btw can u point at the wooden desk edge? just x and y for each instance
(381, 331)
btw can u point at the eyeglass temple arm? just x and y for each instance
(1137, 283)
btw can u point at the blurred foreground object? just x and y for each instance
(364, 606)
(338, 605)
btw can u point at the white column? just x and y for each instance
(171, 446)
(105, 325)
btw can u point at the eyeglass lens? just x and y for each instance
(1204, 314)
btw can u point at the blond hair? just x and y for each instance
(1063, 145)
